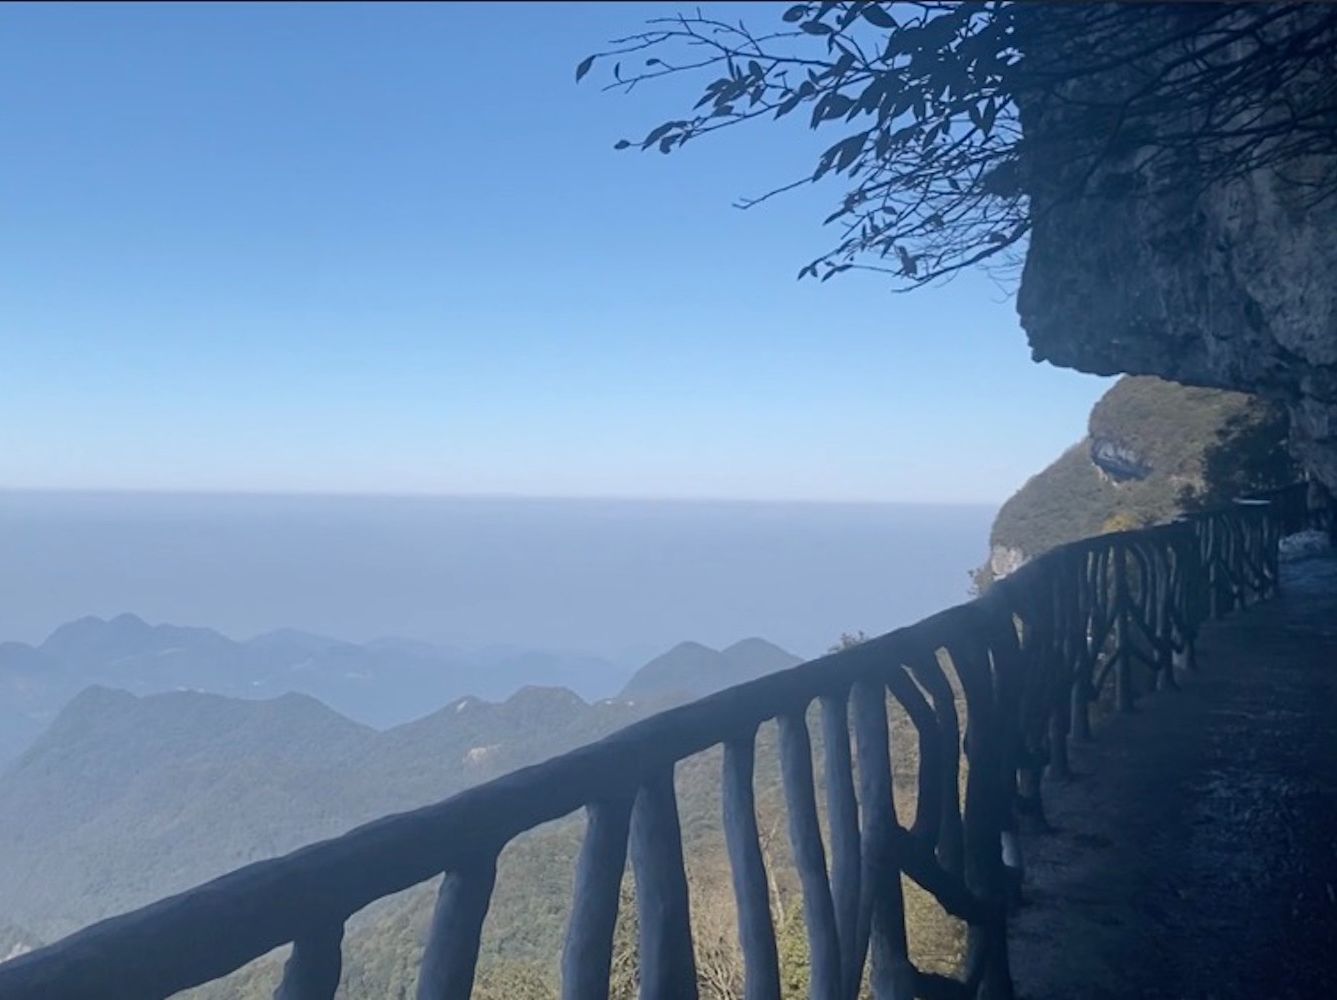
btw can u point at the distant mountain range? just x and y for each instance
(380, 683)
(126, 797)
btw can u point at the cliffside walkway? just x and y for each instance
(1218, 875)
(1194, 860)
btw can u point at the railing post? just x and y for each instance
(881, 903)
(1064, 667)
(1162, 567)
(450, 957)
(667, 964)
(810, 858)
(931, 677)
(986, 942)
(1211, 565)
(1008, 683)
(1085, 627)
(587, 955)
(313, 969)
(843, 819)
(1274, 536)
(1125, 695)
(756, 931)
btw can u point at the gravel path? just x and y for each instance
(1195, 853)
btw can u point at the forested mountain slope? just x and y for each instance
(126, 798)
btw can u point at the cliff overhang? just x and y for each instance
(1230, 286)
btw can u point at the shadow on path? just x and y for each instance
(1195, 854)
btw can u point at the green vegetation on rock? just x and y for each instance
(1153, 450)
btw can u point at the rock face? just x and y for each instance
(1235, 292)
(1118, 461)
(1004, 559)
(1232, 289)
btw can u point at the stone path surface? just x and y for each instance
(1194, 855)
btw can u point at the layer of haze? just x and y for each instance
(621, 579)
(390, 249)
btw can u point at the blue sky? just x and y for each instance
(391, 249)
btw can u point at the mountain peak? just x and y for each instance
(757, 646)
(691, 669)
(690, 647)
(126, 621)
(93, 705)
(122, 724)
(91, 628)
(104, 646)
(537, 694)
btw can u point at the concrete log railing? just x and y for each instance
(1028, 658)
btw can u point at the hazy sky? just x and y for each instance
(625, 579)
(391, 249)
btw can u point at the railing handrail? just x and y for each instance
(210, 930)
